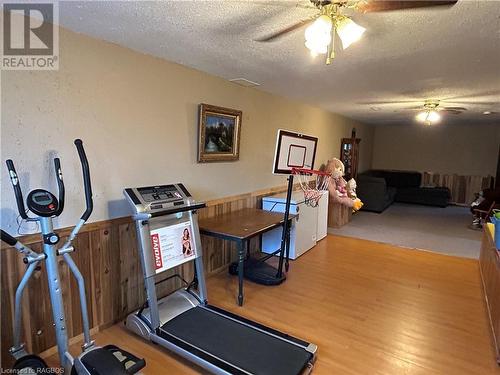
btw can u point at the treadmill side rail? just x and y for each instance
(212, 368)
(313, 349)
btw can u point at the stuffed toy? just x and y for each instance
(340, 191)
(351, 188)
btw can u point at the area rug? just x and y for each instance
(443, 230)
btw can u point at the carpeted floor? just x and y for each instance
(442, 230)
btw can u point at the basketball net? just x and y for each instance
(312, 192)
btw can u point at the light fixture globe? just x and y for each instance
(324, 23)
(348, 31)
(316, 48)
(434, 116)
(319, 35)
(429, 117)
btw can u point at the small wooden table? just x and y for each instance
(240, 226)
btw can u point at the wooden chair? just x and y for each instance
(485, 215)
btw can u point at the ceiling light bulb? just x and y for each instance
(322, 27)
(310, 32)
(433, 116)
(324, 23)
(349, 31)
(316, 48)
(428, 117)
(318, 35)
(487, 113)
(422, 116)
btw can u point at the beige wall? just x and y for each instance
(138, 118)
(467, 150)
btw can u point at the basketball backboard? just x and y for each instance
(293, 150)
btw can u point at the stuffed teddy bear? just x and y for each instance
(340, 191)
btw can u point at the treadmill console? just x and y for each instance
(151, 199)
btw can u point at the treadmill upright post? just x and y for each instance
(148, 272)
(198, 262)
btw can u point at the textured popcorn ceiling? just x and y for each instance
(448, 54)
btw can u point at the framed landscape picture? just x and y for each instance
(219, 134)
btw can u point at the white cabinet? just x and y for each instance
(322, 230)
(309, 227)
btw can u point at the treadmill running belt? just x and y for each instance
(238, 344)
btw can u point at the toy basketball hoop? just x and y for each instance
(312, 193)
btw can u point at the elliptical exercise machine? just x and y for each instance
(94, 360)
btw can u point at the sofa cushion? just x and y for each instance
(439, 196)
(367, 179)
(398, 179)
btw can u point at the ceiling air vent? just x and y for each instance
(244, 82)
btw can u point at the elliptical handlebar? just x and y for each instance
(14, 179)
(7, 238)
(60, 185)
(86, 179)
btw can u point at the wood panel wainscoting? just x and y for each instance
(489, 261)
(107, 257)
(462, 188)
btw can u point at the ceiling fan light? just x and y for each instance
(349, 31)
(316, 31)
(318, 35)
(316, 48)
(323, 23)
(319, 28)
(310, 32)
(433, 116)
(421, 117)
(428, 117)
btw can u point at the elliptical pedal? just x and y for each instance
(109, 360)
(30, 364)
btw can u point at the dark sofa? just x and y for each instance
(374, 192)
(378, 189)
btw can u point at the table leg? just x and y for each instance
(241, 266)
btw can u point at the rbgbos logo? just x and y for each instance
(30, 36)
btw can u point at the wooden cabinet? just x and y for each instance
(489, 264)
(349, 155)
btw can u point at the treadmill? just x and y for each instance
(183, 322)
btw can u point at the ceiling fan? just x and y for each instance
(329, 22)
(430, 112)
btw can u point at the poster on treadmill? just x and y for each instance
(172, 246)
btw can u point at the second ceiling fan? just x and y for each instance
(329, 22)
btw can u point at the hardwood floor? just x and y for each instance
(371, 308)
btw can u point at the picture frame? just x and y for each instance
(218, 134)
